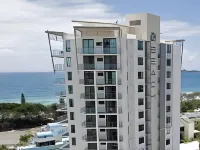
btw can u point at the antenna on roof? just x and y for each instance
(116, 21)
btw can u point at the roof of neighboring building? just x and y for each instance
(44, 134)
(181, 125)
(187, 119)
(54, 124)
(190, 146)
(41, 140)
(196, 131)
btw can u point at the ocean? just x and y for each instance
(39, 87)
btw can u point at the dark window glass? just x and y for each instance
(168, 62)
(100, 88)
(71, 115)
(70, 89)
(99, 59)
(168, 97)
(167, 141)
(140, 61)
(135, 22)
(140, 75)
(168, 108)
(68, 46)
(168, 74)
(72, 128)
(102, 130)
(168, 120)
(98, 43)
(140, 101)
(141, 114)
(141, 127)
(141, 140)
(140, 88)
(68, 61)
(168, 48)
(168, 85)
(69, 75)
(71, 103)
(101, 116)
(101, 102)
(73, 141)
(140, 45)
(100, 74)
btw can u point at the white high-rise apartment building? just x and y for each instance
(122, 85)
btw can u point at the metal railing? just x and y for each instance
(90, 138)
(108, 138)
(61, 94)
(98, 67)
(109, 124)
(98, 50)
(88, 124)
(107, 110)
(60, 81)
(59, 67)
(86, 81)
(88, 110)
(87, 95)
(58, 53)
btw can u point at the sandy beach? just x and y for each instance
(12, 137)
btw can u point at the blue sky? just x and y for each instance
(24, 45)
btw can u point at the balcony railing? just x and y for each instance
(61, 94)
(87, 95)
(60, 81)
(57, 53)
(107, 110)
(90, 138)
(86, 81)
(88, 110)
(106, 82)
(89, 124)
(108, 96)
(109, 124)
(98, 50)
(98, 66)
(108, 138)
(59, 67)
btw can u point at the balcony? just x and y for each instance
(106, 82)
(98, 67)
(86, 81)
(59, 67)
(109, 124)
(107, 110)
(61, 94)
(88, 110)
(87, 96)
(89, 124)
(98, 50)
(57, 53)
(90, 138)
(108, 138)
(108, 96)
(60, 81)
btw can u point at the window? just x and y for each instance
(140, 88)
(88, 46)
(141, 140)
(102, 130)
(168, 120)
(100, 88)
(100, 74)
(101, 116)
(168, 74)
(70, 89)
(140, 75)
(168, 62)
(168, 48)
(141, 127)
(71, 103)
(72, 128)
(101, 102)
(140, 45)
(168, 97)
(168, 108)
(98, 43)
(99, 59)
(140, 61)
(141, 114)
(68, 46)
(69, 75)
(68, 61)
(73, 141)
(71, 115)
(168, 85)
(167, 141)
(140, 101)
(135, 22)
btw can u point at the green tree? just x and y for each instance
(3, 147)
(23, 101)
(24, 139)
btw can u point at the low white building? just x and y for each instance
(190, 146)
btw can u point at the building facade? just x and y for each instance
(122, 85)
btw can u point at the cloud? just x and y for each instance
(23, 25)
(178, 29)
